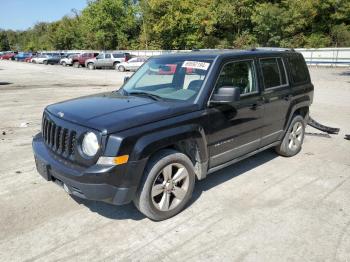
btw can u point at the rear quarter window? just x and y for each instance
(298, 69)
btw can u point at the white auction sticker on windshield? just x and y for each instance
(196, 65)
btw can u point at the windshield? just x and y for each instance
(169, 78)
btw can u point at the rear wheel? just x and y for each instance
(45, 62)
(293, 139)
(121, 68)
(76, 64)
(167, 185)
(64, 64)
(91, 66)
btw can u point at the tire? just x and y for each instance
(45, 62)
(165, 203)
(91, 66)
(64, 64)
(121, 68)
(76, 64)
(293, 139)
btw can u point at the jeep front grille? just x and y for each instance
(61, 140)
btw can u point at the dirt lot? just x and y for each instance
(266, 208)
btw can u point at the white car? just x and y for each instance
(68, 60)
(40, 59)
(132, 65)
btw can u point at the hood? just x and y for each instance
(113, 112)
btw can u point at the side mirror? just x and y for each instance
(126, 79)
(226, 94)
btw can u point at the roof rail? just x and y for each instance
(271, 49)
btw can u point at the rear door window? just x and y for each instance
(108, 56)
(274, 73)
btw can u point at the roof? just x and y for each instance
(212, 54)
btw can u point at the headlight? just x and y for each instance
(90, 144)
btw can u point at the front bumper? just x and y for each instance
(111, 184)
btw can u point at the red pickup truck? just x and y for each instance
(79, 59)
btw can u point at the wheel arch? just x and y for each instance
(300, 107)
(189, 140)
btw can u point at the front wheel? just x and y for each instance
(76, 64)
(64, 64)
(91, 66)
(115, 65)
(167, 185)
(293, 139)
(45, 62)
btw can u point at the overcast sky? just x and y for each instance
(21, 14)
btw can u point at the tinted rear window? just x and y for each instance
(118, 55)
(298, 68)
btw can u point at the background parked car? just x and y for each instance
(107, 60)
(131, 65)
(28, 59)
(79, 60)
(8, 56)
(40, 59)
(22, 56)
(54, 60)
(68, 59)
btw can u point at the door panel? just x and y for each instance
(277, 96)
(99, 60)
(107, 62)
(235, 129)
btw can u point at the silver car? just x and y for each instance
(41, 59)
(132, 65)
(68, 60)
(107, 60)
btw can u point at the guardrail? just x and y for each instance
(326, 56)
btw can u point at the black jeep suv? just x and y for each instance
(177, 119)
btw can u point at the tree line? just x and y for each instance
(178, 24)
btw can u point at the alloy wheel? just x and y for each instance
(170, 187)
(296, 136)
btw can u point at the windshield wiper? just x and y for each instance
(153, 96)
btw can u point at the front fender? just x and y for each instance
(151, 143)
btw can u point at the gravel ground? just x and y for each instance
(265, 208)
